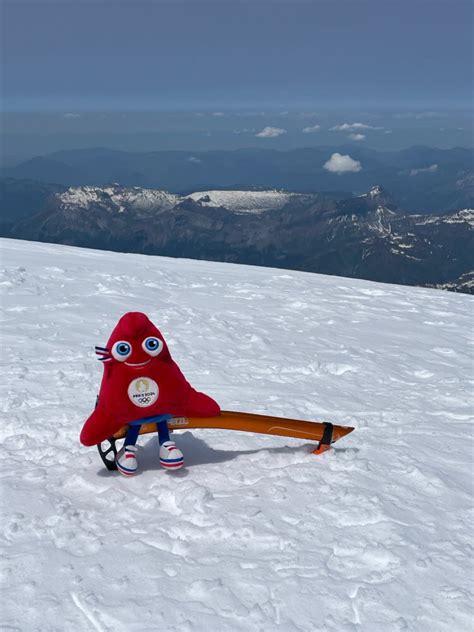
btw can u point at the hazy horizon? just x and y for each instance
(26, 135)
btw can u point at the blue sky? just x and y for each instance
(72, 55)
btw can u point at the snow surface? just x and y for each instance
(244, 201)
(256, 533)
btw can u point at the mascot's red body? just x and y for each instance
(140, 380)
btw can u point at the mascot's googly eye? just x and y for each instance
(121, 350)
(153, 346)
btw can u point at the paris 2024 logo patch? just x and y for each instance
(143, 391)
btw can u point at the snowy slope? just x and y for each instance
(256, 533)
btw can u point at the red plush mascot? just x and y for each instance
(141, 380)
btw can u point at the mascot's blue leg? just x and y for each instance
(171, 457)
(163, 432)
(134, 430)
(132, 435)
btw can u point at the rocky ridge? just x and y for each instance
(364, 236)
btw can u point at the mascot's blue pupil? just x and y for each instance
(151, 344)
(123, 349)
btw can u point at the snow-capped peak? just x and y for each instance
(375, 191)
(122, 197)
(79, 196)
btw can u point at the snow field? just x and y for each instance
(244, 201)
(255, 533)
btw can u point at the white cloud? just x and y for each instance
(218, 114)
(71, 115)
(271, 132)
(352, 127)
(311, 129)
(194, 159)
(339, 163)
(357, 136)
(430, 169)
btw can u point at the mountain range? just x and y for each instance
(364, 236)
(420, 179)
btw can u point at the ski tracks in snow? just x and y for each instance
(256, 533)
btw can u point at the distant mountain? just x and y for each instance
(363, 236)
(421, 179)
(21, 198)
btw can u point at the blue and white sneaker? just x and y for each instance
(171, 457)
(126, 460)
